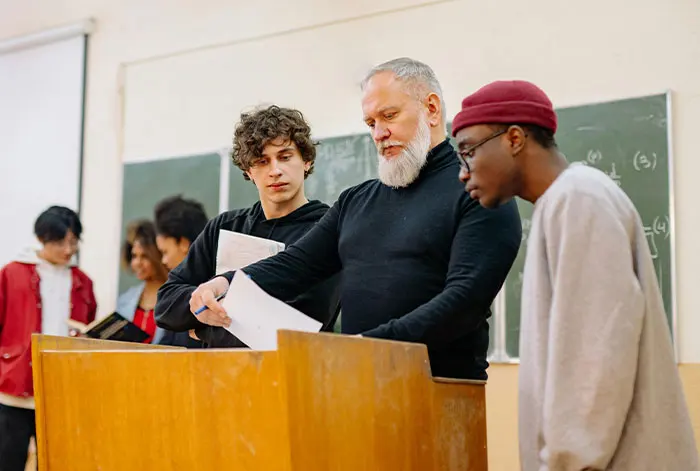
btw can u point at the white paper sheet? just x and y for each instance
(256, 316)
(236, 250)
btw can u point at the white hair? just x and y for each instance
(419, 76)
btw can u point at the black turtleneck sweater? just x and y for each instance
(419, 264)
(172, 309)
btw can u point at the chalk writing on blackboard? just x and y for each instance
(644, 161)
(594, 156)
(651, 241)
(659, 227)
(616, 177)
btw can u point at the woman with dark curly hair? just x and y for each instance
(273, 148)
(142, 257)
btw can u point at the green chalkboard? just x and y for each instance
(146, 183)
(341, 162)
(628, 140)
(242, 193)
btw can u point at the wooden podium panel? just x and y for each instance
(368, 404)
(459, 426)
(320, 402)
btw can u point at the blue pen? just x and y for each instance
(204, 308)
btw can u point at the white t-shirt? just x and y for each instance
(55, 288)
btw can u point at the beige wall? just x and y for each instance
(502, 412)
(167, 78)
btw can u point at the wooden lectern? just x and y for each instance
(321, 402)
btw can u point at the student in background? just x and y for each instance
(421, 262)
(178, 222)
(39, 292)
(599, 386)
(273, 148)
(143, 258)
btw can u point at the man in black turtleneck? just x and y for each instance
(420, 260)
(274, 149)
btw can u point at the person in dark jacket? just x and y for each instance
(178, 221)
(273, 148)
(421, 261)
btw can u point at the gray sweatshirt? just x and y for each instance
(599, 386)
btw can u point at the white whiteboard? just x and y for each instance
(41, 120)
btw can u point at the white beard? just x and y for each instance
(402, 170)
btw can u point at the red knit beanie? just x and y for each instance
(507, 102)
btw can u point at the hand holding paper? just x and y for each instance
(235, 251)
(256, 316)
(205, 302)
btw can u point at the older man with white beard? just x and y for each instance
(420, 260)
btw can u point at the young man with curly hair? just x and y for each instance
(273, 148)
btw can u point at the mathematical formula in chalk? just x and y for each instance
(660, 227)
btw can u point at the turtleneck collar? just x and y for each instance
(440, 156)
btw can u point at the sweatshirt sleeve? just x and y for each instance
(172, 310)
(595, 325)
(484, 248)
(310, 260)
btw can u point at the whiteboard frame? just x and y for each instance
(18, 43)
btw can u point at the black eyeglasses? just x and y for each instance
(468, 153)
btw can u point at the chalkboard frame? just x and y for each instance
(672, 220)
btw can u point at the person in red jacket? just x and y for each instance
(39, 291)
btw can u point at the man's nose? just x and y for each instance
(379, 133)
(464, 175)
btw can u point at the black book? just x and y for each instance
(113, 327)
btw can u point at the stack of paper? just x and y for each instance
(236, 250)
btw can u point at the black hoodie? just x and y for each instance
(172, 309)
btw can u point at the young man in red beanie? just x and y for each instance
(599, 387)
(419, 260)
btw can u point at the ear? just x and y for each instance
(307, 166)
(434, 106)
(184, 243)
(250, 175)
(516, 138)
